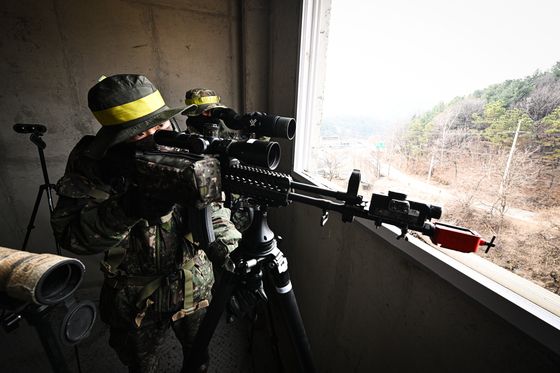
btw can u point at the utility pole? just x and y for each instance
(509, 158)
(390, 155)
(430, 172)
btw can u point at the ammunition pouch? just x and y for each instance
(150, 284)
(118, 279)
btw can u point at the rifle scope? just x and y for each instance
(252, 152)
(259, 124)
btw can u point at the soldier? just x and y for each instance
(155, 277)
(206, 100)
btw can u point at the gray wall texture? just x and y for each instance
(53, 52)
(365, 308)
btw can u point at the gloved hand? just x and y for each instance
(245, 296)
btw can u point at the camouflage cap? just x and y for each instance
(125, 105)
(204, 99)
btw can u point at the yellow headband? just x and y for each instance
(130, 111)
(202, 100)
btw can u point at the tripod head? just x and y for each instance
(30, 128)
(36, 131)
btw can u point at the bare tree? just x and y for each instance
(331, 164)
(465, 109)
(468, 189)
(373, 161)
(518, 179)
(452, 137)
(543, 99)
(443, 125)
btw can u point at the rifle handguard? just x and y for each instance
(268, 187)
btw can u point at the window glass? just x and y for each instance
(457, 104)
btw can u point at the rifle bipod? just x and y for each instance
(257, 252)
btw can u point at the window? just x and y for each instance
(330, 143)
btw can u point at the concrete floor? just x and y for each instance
(231, 348)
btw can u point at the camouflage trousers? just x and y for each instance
(140, 349)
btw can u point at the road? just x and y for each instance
(438, 190)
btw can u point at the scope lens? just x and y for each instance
(273, 155)
(285, 128)
(166, 138)
(59, 282)
(256, 152)
(55, 282)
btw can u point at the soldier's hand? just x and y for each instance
(244, 297)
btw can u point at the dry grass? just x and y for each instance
(529, 248)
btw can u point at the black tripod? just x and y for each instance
(36, 131)
(37, 316)
(257, 252)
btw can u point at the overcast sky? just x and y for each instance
(399, 57)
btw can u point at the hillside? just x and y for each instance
(492, 151)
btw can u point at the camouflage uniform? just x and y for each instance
(204, 99)
(207, 99)
(149, 264)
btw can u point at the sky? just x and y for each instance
(395, 58)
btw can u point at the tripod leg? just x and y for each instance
(281, 277)
(38, 316)
(273, 336)
(30, 226)
(210, 321)
(49, 188)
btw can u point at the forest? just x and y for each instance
(497, 150)
(494, 156)
(518, 120)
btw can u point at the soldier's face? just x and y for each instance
(145, 140)
(163, 126)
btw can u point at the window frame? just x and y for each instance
(524, 305)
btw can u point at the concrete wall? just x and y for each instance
(367, 308)
(53, 52)
(364, 306)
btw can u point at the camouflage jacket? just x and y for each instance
(239, 215)
(148, 266)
